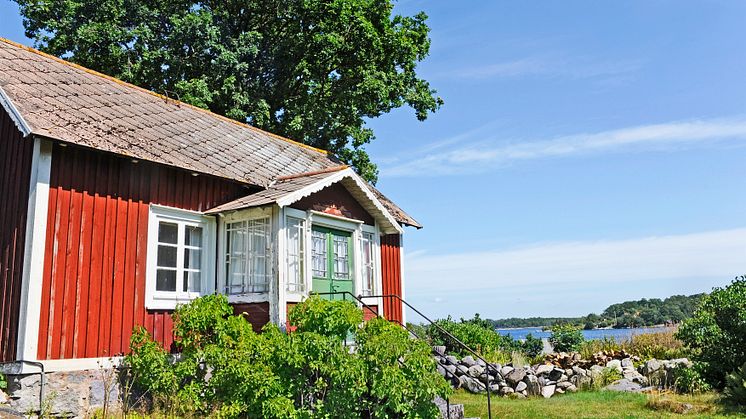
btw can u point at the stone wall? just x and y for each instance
(548, 379)
(66, 394)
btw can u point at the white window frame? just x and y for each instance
(245, 215)
(378, 279)
(296, 295)
(168, 300)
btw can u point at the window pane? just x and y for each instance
(167, 256)
(165, 280)
(247, 259)
(368, 264)
(191, 281)
(193, 236)
(168, 232)
(295, 239)
(192, 258)
(341, 259)
(318, 254)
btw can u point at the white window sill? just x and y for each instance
(257, 297)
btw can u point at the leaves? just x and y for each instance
(565, 337)
(309, 70)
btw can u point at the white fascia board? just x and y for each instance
(14, 114)
(332, 179)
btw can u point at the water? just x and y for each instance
(618, 334)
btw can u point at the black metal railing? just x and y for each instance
(487, 367)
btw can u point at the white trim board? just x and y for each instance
(33, 256)
(14, 114)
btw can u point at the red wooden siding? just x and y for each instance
(256, 313)
(391, 276)
(16, 154)
(371, 312)
(94, 268)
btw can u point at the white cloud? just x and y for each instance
(489, 154)
(714, 254)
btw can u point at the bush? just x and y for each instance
(227, 370)
(473, 334)
(735, 386)
(3, 381)
(532, 346)
(566, 337)
(593, 346)
(688, 380)
(658, 345)
(717, 331)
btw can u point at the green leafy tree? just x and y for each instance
(717, 331)
(566, 337)
(735, 386)
(313, 71)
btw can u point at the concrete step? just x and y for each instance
(456, 410)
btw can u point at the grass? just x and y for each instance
(597, 405)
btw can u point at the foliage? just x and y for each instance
(688, 380)
(227, 370)
(532, 346)
(309, 70)
(566, 338)
(717, 331)
(473, 334)
(658, 345)
(594, 346)
(735, 386)
(644, 312)
(3, 381)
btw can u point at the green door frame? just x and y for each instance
(334, 284)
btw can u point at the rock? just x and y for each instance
(532, 385)
(548, 391)
(494, 388)
(556, 374)
(449, 410)
(624, 385)
(521, 386)
(564, 384)
(596, 369)
(3, 397)
(578, 371)
(468, 361)
(481, 363)
(571, 389)
(651, 366)
(504, 391)
(450, 368)
(462, 370)
(474, 386)
(627, 363)
(476, 371)
(98, 392)
(440, 350)
(504, 371)
(616, 364)
(544, 369)
(515, 376)
(450, 359)
(520, 395)
(559, 391)
(563, 377)
(442, 371)
(569, 372)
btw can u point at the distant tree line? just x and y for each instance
(644, 312)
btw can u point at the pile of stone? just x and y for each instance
(574, 359)
(549, 378)
(518, 381)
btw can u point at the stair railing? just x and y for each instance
(488, 366)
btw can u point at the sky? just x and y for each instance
(587, 153)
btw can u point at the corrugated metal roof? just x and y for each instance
(66, 102)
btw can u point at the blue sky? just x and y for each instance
(587, 153)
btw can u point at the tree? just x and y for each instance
(717, 331)
(313, 71)
(565, 337)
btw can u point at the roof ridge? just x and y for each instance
(312, 173)
(158, 95)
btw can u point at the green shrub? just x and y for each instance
(3, 381)
(473, 334)
(735, 386)
(658, 345)
(717, 331)
(593, 346)
(688, 380)
(566, 337)
(532, 346)
(227, 370)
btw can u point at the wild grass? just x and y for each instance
(597, 404)
(659, 345)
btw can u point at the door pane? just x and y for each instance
(319, 254)
(341, 257)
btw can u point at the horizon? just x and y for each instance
(575, 164)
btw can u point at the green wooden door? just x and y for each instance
(331, 261)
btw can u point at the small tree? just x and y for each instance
(717, 331)
(566, 337)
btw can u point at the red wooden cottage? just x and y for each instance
(117, 204)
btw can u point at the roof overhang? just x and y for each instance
(12, 111)
(355, 185)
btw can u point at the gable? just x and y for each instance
(336, 200)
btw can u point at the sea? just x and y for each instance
(617, 334)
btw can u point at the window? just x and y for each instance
(296, 272)
(179, 265)
(248, 268)
(368, 245)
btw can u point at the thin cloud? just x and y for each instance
(575, 265)
(485, 155)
